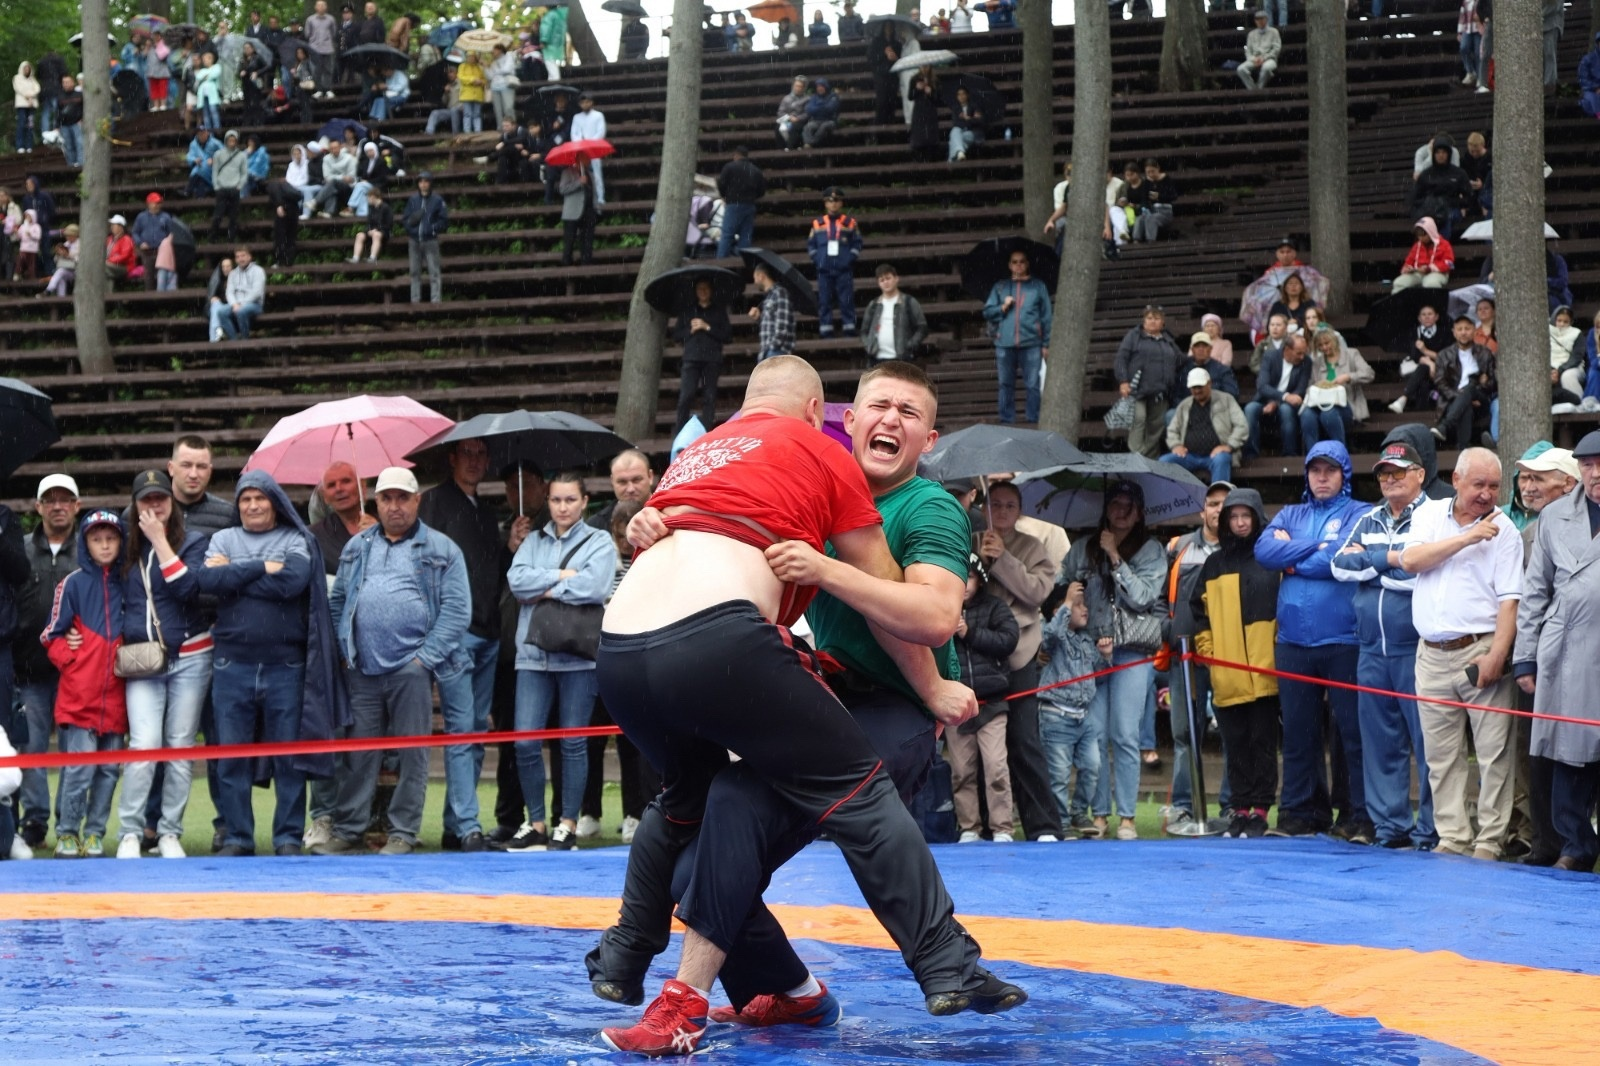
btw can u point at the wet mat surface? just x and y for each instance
(1162, 952)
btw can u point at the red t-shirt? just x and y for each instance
(778, 472)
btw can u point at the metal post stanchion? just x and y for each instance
(1201, 825)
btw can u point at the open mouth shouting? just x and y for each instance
(883, 446)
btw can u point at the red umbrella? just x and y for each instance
(568, 154)
(775, 11)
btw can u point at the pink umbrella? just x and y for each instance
(369, 432)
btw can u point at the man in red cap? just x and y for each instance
(151, 228)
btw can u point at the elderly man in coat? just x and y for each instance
(1558, 645)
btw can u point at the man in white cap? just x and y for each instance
(1206, 430)
(1556, 663)
(52, 553)
(407, 585)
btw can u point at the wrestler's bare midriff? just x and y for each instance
(688, 572)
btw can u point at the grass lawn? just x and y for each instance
(197, 818)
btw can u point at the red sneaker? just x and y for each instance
(672, 1025)
(818, 1010)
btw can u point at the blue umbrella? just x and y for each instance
(1073, 496)
(445, 34)
(334, 128)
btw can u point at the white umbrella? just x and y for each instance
(933, 57)
(1484, 231)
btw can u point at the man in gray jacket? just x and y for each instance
(892, 326)
(230, 170)
(1206, 430)
(245, 295)
(1261, 50)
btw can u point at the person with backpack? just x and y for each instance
(985, 638)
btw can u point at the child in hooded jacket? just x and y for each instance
(81, 637)
(1071, 731)
(985, 639)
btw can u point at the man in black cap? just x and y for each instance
(426, 218)
(834, 243)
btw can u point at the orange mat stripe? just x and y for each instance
(1506, 1013)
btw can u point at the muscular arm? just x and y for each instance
(950, 702)
(923, 608)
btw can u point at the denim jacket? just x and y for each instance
(534, 572)
(442, 573)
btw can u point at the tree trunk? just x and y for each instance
(1038, 127)
(1183, 47)
(639, 393)
(1519, 270)
(581, 34)
(94, 203)
(1328, 154)
(1062, 404)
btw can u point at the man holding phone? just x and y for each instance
(1467, 556)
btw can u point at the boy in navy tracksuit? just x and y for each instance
(91, 712)
(834, 244)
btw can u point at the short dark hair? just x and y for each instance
(740, 151)
(1152, 162)
(886, 268)
(509, 471)
(1468, 319)
(192, 441)
(900, 370)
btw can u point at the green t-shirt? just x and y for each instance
(923, 524)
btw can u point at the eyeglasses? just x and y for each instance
(1392, 475)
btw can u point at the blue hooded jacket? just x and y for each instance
(325, 705)
(1313, 608)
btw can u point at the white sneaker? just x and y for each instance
(1483, 88)
(216, 335)
(129, 847)
(320, 831)
(1003, 838)
(169, 847)
(20, 849)
(969, 836)
(1399, 406)
(630, 826)
(588, 826)
(1046, 838)
(1469, 79)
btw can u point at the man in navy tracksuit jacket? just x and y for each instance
(1391, 733)
(834, 243)
(1316, 638)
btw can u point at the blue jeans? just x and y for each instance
(24, 129)
(1327, 423)
(72, 144)
(439, 115)
(1391, 739)
(1072, 742)
(537, 692)
(1305, 776)
(1120, 702)
(1288, 428)
(1471, 44)
(235, 325)
(835, 288)
(465, 701)
(163, 712)
(358, 198)
(211, 117)
(1280, 8)
(1008, 360)
(1494, 419)
(39, 705)
(960, 141)
(259, 701)
(738, 228)
(471, 116)
(84, 793)
(1217, 467)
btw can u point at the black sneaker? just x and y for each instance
(1360, 833)
(288, 850)
(1236, 825)
(1291, 826)
(1255, 825)
(563, 838)
(449, 842)
(33, 834)
(991, 996)
(234, 851)
(527, 839)
(628, 993)
(501, 834)
(1085, 827)
(473, 841)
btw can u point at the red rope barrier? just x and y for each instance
(1085, 677)
(294, 747)
(1208, 661)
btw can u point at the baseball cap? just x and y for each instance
(1552, 459)
(397, 477)
(1399, 455)
(1126, 488)
(1589, 446)
(1201, 337)
(117, 220)
(151, 482)
(57, 481)
(1225, 486)
(153, 198)
(1197, 377)
(101, 517)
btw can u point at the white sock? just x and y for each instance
(703, 993)
(808, 988)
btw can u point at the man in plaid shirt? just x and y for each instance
(776, 316)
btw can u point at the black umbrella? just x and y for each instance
(76, 40)
(898, 21)
(542, 440)
(179, 32)
(805, 297)
(990, 101)
(673, 291)
(979, 451)
(182, 247)
(989, 262)
(625, 7)
(571, 91)
(27, 425)
(380, 52)
(129, 89)
(1392, 321)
